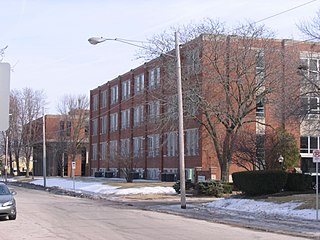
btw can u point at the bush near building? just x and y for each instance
(260, 182)
(298, 182)
(208, 188)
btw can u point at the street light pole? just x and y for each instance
(96, 40)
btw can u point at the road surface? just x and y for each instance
(42, 215)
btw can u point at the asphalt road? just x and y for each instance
(42, 215)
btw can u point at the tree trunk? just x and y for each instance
(225, 171)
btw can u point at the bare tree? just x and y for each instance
(311, 28)
(75, 113)
(25, 106)
(225, 73)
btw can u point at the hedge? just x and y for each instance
(298, 182)
(260, 182)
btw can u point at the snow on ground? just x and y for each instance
(100, 188)
(246, 206)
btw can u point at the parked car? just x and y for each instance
(7, 202)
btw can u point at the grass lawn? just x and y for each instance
(308, 200)
(140, 184)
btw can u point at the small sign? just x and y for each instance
(201, 178)
(316, 155)
(73, 165)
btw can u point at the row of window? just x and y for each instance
(153, 146)
(139, 85)
(138, 117)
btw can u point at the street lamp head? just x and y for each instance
(96, 40)
(280, 159)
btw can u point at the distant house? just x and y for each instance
(59, 131)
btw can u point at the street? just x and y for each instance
(42, 215)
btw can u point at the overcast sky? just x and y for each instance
(49, 51)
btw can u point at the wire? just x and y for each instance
(285, 11)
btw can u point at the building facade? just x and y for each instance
(58, 132)
(133, 118)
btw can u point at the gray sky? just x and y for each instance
(48, 45)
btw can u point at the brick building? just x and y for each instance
(58, 131)
(127, 126)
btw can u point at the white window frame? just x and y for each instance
(114, 94)
(154, 78)
(138, 116)
(104, 98)
(113, 149)
(172, 144)
(103, 151)
(138, 147)
(192, 142)
(125, 119)
(94, 152)
(154, 110)
(103, 125)
(113, 122)
(139, 84)
(95, 127)
(153, 145)
(126, 89)
(125, 147)
(95, 99)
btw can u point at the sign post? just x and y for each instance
(73, 174)
(316, 159)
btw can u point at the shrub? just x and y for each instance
(298, 182)
(227, 188)
(212, 188)
(259, 182)
(189, 185)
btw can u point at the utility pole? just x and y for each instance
(44, 160)
(181, 136)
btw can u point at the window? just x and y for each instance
(94, 151)
(193, 62)
(139, 84)
(95, 127)
(61, 128)
(104, 99)
(308, 144)
(103, 128)
(154, 110)
(125, 119)
(138, 147)
(138, 116)
(310, 69)
(192, 145)
(68, 130)
(172, 144)
(153, 145)
(103, 151)
(113, 122)
(113, 149)
(126, 90)
(154, 78)
(259, 108)
(95, 102)
(260, 66)
(125, 147)
(311, 107)
(114, 94)
(260, 150)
